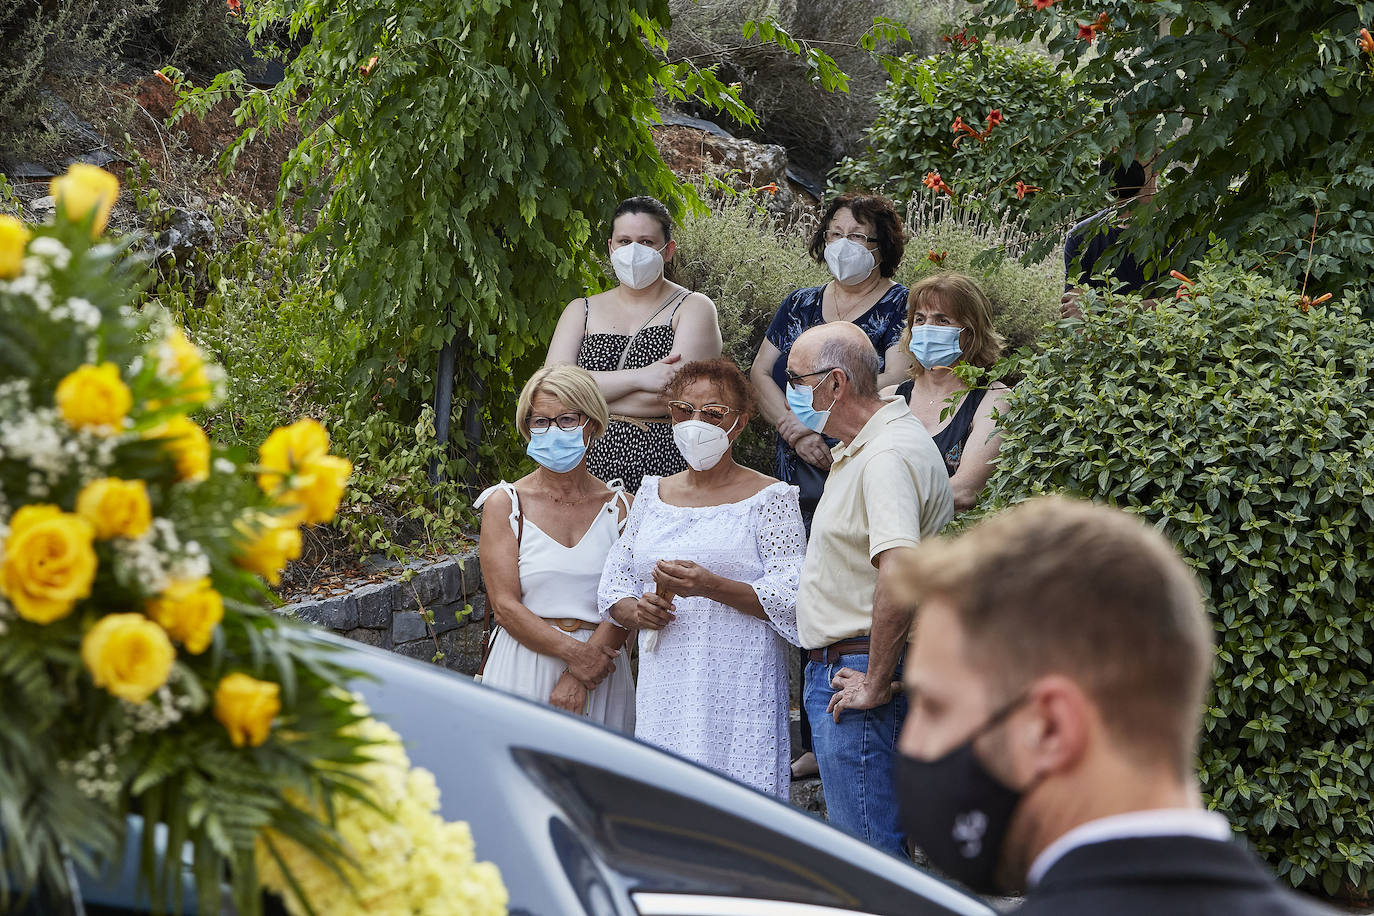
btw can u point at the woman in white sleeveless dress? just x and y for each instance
(544, 540)
(707, 570)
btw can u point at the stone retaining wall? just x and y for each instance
(421, 610)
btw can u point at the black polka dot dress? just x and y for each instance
(629, 450)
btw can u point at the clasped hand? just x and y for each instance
(591, 664)
(684, 578)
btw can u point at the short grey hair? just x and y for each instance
(858, 359)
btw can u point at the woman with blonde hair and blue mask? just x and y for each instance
(544, 541)
(949, 323)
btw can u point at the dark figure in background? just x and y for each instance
(1089, 240)
(1056, 680)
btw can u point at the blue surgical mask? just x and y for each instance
(801, 399)
(559, 450)
(934, 345)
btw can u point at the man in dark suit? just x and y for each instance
(1055, 681)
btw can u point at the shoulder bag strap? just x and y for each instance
(625, 354)
(489, 624)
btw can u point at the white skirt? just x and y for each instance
(516, 669)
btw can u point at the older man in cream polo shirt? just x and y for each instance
(888, 489)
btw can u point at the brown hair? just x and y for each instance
(960, 297)
(722, 373)
(867, 208)
(650, 206)
(1058, 586)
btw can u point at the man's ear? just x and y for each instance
(1058, 729)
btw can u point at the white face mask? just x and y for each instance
(849, 261)
(636, 265)
(701, 444)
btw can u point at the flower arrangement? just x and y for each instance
(140, 672)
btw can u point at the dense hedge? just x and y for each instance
(1239, 421)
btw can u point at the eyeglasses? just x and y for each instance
(793, 378)
(834, 235)
(565, 422)
(714, 414)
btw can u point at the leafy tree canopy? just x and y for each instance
(1257, 115)
(464, 156)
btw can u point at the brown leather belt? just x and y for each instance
(830, 654)
(571, 624)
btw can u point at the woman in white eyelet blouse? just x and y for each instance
(727, 543)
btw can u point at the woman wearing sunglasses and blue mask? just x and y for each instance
(544, 540)
(632, 338)
(707, 571)
(949, 323)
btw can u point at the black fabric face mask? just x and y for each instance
(957, 812)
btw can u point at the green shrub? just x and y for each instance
(287, 345)
(1239, 423)
(44, 40)
(913, 133)
(1025, 298)
(200, 36)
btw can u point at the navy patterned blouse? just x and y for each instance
(883, 324)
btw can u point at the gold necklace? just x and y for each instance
(569, 502)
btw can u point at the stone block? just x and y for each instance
(337, 613)
(450, 580)
(461, 576)
(449, 616)
(374, 604)
(472, 573)
(380, 639)
(407, 626)
(462, 649)
(422, 590)
(422, 650)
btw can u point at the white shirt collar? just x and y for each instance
(1194, 822)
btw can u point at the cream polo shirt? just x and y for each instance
(888, 488)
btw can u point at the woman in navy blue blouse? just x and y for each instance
(860, 239)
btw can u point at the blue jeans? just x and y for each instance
(856, 758)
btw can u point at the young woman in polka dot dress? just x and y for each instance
(632, 339)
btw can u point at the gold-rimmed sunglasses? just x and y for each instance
(715, 414)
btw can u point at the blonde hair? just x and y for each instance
(960, 297)
(572, 385)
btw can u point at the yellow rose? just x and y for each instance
(267, 544)
(128, 655)
(48, 563)
(320, 487)
(14, 236)
(86, 192)
(287, 449)
(299, 471)
(115, 508)
(189, 610)
(246, 706)
(188, 445)
(182, 360)
(94, 397)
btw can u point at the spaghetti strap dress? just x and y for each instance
(632, 447)
(560, 583)
(952, 439)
